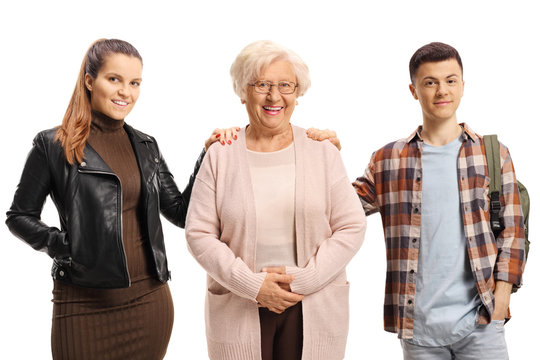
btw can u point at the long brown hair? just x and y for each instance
(75, 127)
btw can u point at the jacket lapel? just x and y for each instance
(93, 162)
(147, 156)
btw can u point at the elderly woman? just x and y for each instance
(274, 221)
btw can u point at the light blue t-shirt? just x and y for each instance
(446, 299)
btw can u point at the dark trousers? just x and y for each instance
(281, 334)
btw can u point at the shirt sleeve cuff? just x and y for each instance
(246, 283)
(305, 279)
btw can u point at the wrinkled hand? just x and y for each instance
(278, 270)
(223, 136)
(273, 296)
(321, 135)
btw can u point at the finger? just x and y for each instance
(219, 136)
(285, 287)
(285, 305)
(228, 136)
(313, 133)
(288, 304)
(335, 141)
(276, 310)
(234, 132)
(275, 269)
(283, 296)
(316, 134)
(288, 296)
(327, 134)
(281, 278)
(292, 297)
(212, 139)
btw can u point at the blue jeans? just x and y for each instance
(485, 342)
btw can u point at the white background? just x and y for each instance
(358, 54)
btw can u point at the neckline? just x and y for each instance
(451, 144)
(289, 147)
(104, 123)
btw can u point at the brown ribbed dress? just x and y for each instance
(131, 323)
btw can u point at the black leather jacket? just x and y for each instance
(88, 250)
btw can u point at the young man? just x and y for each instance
(448, 278)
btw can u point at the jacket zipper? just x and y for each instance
(119, 201)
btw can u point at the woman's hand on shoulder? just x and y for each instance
(223, 136)
(320, 135)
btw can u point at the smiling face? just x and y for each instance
(115, 89)
(439, 88)
(271, 113)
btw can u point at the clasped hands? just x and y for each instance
(275, 293)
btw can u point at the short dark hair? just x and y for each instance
(432, 52)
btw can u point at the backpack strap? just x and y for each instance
(493, 157)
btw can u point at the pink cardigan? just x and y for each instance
(220, 232)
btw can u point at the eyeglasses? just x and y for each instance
(265, 87)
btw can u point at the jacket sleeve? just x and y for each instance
(173, 203)
(365, 189)
(511, 241)
(24, 216)
(348, 225)
(203, 235)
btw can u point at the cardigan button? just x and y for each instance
(83, 164)
(156, 160)
(61, 273)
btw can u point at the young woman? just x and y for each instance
(109, 183)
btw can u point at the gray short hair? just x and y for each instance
(257, 56)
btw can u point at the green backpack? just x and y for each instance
(493, 157)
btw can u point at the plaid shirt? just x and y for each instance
(392, 185)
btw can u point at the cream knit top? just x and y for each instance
(272, 179)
